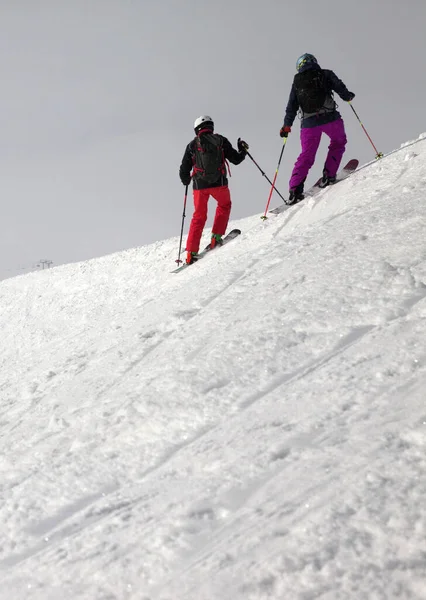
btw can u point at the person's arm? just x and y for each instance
(339, 87)
(292, 108)
(231, 154)
(186, 166)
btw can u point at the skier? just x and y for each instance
(312, 93)
(206, 157)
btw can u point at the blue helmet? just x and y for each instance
(305, 59)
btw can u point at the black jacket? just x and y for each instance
(188, 161)
(329, 113)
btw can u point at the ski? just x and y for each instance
(230, 236)
(349, 168)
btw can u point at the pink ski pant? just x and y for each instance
(310, 138)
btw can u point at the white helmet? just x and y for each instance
(204, 120)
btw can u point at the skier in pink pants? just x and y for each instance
(312, 94)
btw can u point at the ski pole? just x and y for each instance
(378, 154)
(178, 260)
(275, 178)
(264, 174)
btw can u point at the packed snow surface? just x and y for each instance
(251, 428)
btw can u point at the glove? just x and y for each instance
(284, 131)
(351, 96)
(185, 179)
(242, 146)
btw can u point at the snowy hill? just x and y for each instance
(253, 427)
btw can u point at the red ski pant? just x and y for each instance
(201, 197)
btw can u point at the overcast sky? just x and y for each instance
(99, 97)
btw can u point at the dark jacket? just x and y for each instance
(188, 162)
(328, 113)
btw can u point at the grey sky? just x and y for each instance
(99, 97)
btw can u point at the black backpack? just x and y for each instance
(311, 90)
(209, 159)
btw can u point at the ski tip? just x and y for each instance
(352, 164)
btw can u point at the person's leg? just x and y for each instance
(310, 138)
(223, 210)
(198, 220)
(336, 132)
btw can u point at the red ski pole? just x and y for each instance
(378, 154)
(275, 178)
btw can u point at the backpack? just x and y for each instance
(311, 90)
(209, 159)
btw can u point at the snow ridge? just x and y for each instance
(253, 427)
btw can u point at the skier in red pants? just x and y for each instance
(206, 157)
(312, 93)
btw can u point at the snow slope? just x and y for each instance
(253, 427)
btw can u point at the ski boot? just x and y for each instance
(296, 194)
(326, 180)
(191, 258)
(216, 240)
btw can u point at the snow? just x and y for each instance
(253, 427)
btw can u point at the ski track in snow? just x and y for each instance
(253, 427)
